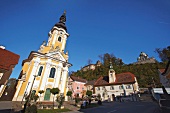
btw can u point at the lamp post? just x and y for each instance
(25, 92)
(30, 93)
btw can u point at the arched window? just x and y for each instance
(52, 73)
(47, 94)
(59, 39)
(40, 71)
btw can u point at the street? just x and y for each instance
(125, 107)
(111, 107)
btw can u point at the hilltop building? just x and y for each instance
(8, 60)
(91, 66)
(46, 68)
(143, 59)
(115, 85)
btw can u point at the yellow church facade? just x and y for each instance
(46, 68)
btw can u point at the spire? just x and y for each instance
(111, 66)
(62, 21)
(63, 18)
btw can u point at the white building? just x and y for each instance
(114, 85)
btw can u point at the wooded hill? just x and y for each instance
(146, 74)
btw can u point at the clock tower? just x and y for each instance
(112, 76)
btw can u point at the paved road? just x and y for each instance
(112, 107)
(124, 107)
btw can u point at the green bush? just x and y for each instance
(35, 97)
(60, 100)
(31, 109)
(77, 100)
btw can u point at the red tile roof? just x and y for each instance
(90, 82)
(125, 77)
(74, 78)
(7, 58)
(122, 78)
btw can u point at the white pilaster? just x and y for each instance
(36, 63)
(64, 79)
(55, 37)
(58, 76)
(64, 42)
(45, 76)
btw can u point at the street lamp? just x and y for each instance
(30, 93)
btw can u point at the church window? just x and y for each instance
(98, 88)
(111, 87)
(59, 39)
(40, 71)
(47, 94)
(52, 73)
(77, 87)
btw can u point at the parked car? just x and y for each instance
(94, 98)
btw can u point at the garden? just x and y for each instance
(32, 106)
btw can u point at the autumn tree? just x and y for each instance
(164, 54)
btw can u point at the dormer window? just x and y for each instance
(59, 39)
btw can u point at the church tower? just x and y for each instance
(46, 68)
(112, 76)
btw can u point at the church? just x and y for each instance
(46, 68)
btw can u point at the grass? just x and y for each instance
(52, 110)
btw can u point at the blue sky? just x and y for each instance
(122, 27)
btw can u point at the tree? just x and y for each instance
(35, 97)
(89, 61)
(89, 93)
(101, 58)
(40, 92)
(69, 93)
(164, 54)
(54, 91)
(60, 100)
